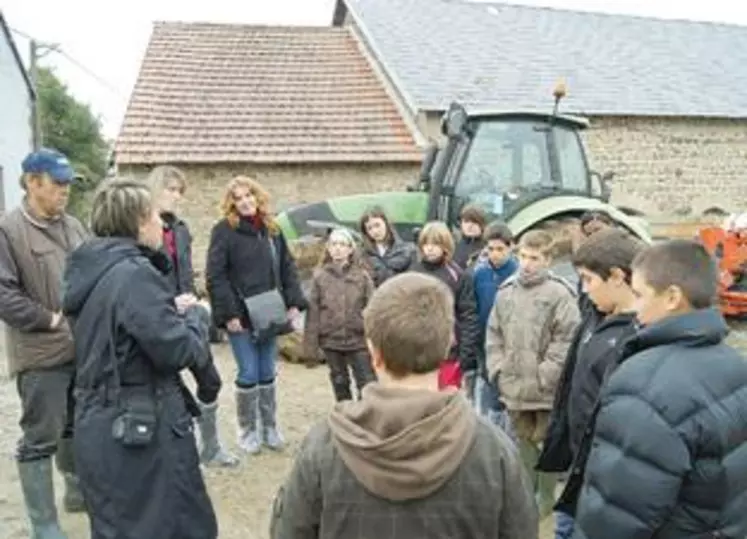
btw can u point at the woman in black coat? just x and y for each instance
(134, 447)
(168, 184)
(251, 275)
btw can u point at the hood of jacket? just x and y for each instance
(403, 444)
(88, 264)
(702, 327)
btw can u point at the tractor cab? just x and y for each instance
(506, 161)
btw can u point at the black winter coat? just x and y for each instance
(467, 321)
(399, 258)
(467, 250)
(668, 459)
(594, 350)
(131, 345)
(181, 276)
(183, 272)
(240, 264)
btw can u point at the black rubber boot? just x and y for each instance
(38, 494)
(72, 500)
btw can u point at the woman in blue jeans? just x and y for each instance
(248, 257)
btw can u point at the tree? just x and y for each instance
(70, 127)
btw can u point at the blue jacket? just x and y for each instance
(487, 279)
(668, 457)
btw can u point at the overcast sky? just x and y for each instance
(103, 42)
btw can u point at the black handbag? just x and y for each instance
(267, 311)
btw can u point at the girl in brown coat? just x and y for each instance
(340, 290)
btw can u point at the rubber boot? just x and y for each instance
(212, 452)
(72, 500)
(247, 400)
(268, 411)
(38, 494)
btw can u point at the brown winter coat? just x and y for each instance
(405, 464)
(529, 332)
(334, 320)
(33, 253)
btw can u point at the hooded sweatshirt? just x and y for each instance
(404, 463)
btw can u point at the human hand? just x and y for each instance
(184, 302)
(56, 320)
(293, 313)
(234, 325)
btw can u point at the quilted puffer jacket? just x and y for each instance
(669, 453)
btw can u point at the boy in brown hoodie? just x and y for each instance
(407, 460)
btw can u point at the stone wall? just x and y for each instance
(668, 166)
(288, 185)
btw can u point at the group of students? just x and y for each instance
(624, 385)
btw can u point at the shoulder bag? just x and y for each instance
(267, 311)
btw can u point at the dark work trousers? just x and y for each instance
(46, 414)
(340, 364)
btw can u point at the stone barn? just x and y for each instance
(667, 100)
(301, 109)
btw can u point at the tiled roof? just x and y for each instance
(493, 55)
(212, 93)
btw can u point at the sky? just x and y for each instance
(101, 44)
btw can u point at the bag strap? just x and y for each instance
(275, 262)
(452, 271)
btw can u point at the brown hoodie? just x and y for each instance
(403, 444)
(405, 463)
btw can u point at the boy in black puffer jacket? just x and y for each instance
(668, 456)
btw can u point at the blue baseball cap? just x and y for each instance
(50, 162)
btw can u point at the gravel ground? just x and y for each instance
(242, 497)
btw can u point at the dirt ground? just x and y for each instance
(242, 497)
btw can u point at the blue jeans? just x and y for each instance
(255, 360)
(564, 525)
(488, 404)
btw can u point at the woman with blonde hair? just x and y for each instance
(436, 246)
(167, 186)
(133, 444)
(255, 295)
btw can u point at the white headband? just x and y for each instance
(341, 235)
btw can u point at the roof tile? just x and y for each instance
(209, 93)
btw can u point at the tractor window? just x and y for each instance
(571, 158)
(505, 157)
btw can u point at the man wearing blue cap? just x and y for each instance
(35, 240)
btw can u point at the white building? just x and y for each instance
(16, 135)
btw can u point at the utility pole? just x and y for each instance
(37, 51)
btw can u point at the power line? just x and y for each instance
(56, 48)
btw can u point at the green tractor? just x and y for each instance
(528, 169)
